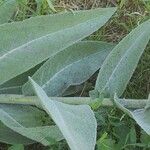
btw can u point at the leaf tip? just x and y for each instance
(31, 80)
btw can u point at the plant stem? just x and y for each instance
(33, 100)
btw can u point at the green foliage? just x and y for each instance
(28, 121)
(7, 9)
(120, 64)
(77, 123)
(49, 48)
(32, 36)
(10, 137)
(16, 147)
(66, 68)
(105, 144)
(42, 3)
(141, 116)
(51, 6)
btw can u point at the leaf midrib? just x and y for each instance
(7, 54)
(19, 126)
(120, 61)
(67, 66)
(67, 131)
(32, 41)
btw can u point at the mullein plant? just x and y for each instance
(51, 50)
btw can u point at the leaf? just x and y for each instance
(10, 137)
(120, 64)
(148, 103)
(28, 122)
(51, 6)
(27, 115)
(11, 90)
(73, 66)
(14, 86)
(39, 4)
(76, 122)
(105, 144)
(141, 116)
(132, 135)
(145, 138)
(73, 90)
(122, 133)
(30, 42)
(7, 8)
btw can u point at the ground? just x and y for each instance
(130, 13)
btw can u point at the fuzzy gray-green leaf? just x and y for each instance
(28, 43)
(10, 137)
(7, 8)
(28, 122)
(76, 122)
(120, 64)
(73, 66)
(141, 116)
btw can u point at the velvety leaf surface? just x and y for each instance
(73, 66)
(76, 122)
(27, 115)
(73, 90)
(11, 90)
(14, 85)
(28, 43)
(141, 116)
(7, 8)
(120, 64)
(27, 121)
(10, 137)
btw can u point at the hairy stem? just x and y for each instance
(33, 100)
